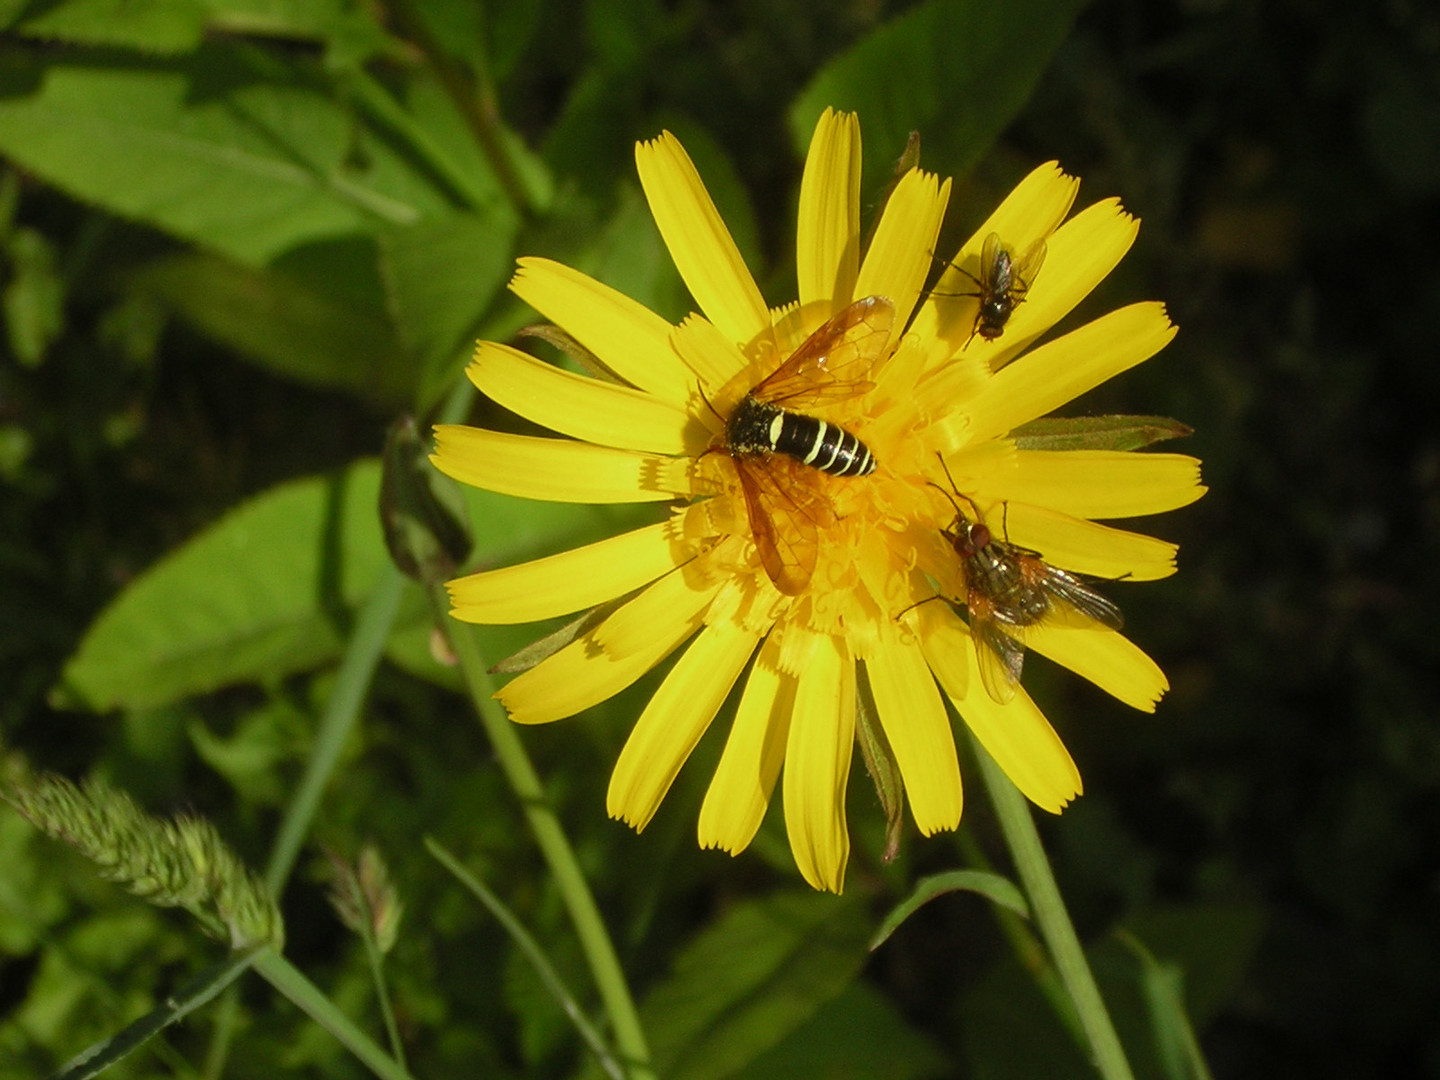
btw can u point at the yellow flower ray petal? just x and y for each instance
(681, 595)
(1099, 483)
(899, 258)
(739, 792)
(556, 470)
(1021, 741)
(581, 674)
(1086, 547)
(946, 645)
(817, 764)
(1032, 210)
(629, 338)
(827, 235)
(570, 581)
(1111, 661)
(1061, 370)
(918, 730)
(710, 356)
(700, 245)
(582, 407)
(673, 722)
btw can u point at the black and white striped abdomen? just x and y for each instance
(757, 427)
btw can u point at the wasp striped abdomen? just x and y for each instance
(758, 427)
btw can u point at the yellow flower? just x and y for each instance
(942, 404)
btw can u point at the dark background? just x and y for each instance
(1285, 160)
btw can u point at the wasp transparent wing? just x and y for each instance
(836, 362)
(787, 512)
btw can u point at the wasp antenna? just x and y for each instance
(700, 389)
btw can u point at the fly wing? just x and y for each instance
(1073, 602)
(835, 362)
(787, 511)
(995, 266)
(1028, 265)
(1000, 657)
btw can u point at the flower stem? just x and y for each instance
(285, 978)
(554, 845)
(1048, 910)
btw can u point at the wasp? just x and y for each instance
(1003, 282)
(1009, 588)
(774, 443)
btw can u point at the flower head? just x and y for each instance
(798, 579)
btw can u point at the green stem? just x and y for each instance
(1026, 946)
(287, 979)
(362, 655)
(357, 668)
(1048, 910)
(554, 846)
(526, 943)
(382, 995)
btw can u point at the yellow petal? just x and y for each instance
(581, 407)
(629, 338)
(679, 597)
(712, 357)
(1061, 370)
(1037, 205)
(740, 791)
(699, 243)
(1087, 547)
(1022, 742)
(570, 581)
(918, 731)
(817, 765)
(1098, 483)
(581, 675)
(1110, 660)
(945, 642)
(673, 722)
(901, 253)
(556, 470)
(827, 236)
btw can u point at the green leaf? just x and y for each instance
(995, 888)
(155, 26)
(266, 591)
(1097, 432)
(195, 993)
(1163, 989)
(349, 31)
(34, 296)
(317, 317)
(882, 768)
(750, 980)
(228, 148)
(859, 1035)
(956, 70)
(442, 274)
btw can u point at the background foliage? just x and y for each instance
(240, 236)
